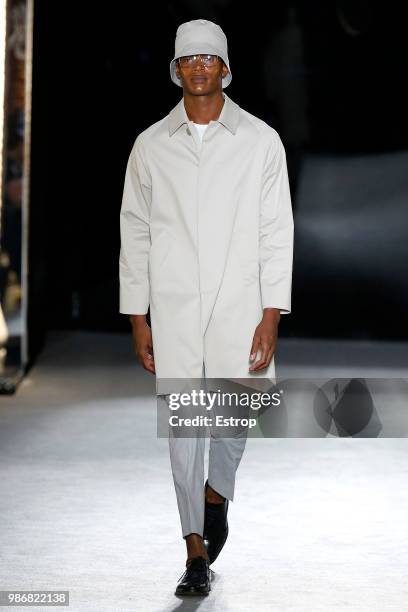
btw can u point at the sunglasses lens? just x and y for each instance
(206, 60)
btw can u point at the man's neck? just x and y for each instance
(203, 109)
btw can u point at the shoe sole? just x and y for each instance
(192, 593)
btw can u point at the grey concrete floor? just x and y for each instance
(88, 503)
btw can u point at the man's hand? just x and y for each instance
(142, 342)
(265, 339)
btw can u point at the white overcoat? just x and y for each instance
(206, 240)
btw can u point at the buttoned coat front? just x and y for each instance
(206, 240)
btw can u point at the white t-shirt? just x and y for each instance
(201, 127)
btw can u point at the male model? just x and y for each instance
(207, 243)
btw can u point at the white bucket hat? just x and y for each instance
(200, 36)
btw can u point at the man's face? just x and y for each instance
(199, 79)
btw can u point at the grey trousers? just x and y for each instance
(187, 464)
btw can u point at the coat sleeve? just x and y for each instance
(276, 230)
(135, 241)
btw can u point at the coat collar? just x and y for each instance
(229, 116)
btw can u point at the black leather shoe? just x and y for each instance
(196, 579)
(215, 527)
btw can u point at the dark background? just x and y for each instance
(333, 84)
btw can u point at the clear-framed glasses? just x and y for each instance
(205, 59)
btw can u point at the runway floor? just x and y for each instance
(88, 504)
